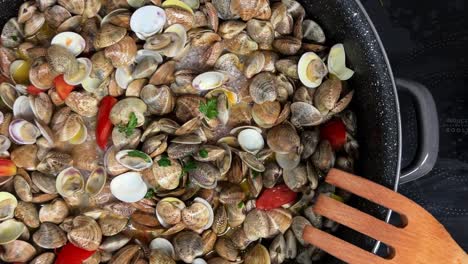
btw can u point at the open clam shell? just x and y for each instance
(74, 42)
(169, 211)
(22, 108)
(19, 71)
(8, 205)
(69, 182)
(209, 80)
(96, 181)
(5, 143)
(147, 21)
(10, 230)
(163, 245)
(83, 72)
(251, 140)
(337, 63)
(199, 215)
(134, 159)
(8, 94)
(311, 69)
(128, 187)
(23, 132)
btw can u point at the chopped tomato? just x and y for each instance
(104, 125)
(276, 197)
(335, 132)
(63, 89)
(71, 254)
(34, 90)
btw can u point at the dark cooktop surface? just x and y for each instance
(427, 42)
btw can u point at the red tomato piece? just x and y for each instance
(63, 89)
(104, 125)
(275, 197)
(335, 132)
(34, 90)
(71, 254)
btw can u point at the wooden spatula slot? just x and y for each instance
(421, 240)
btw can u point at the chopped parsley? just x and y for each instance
(189, 166)
(164, 161)
(150, 193)
(255, 174)
(240, 205)
(131, 125)
(14, 38)
(139, 154)
(203, 153)
(210, 109)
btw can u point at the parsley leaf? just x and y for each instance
(189, 166)
(203, 153)
(150, 193)
(131, 125)
(139, 154)
(210, 109)
(164, 161)
(14, 38)
(255, 174)
(240, 205)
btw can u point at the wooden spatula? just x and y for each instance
(423, 240)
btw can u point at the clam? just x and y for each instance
(74, 42)
(147, 21)
(261, 32)
(22, 188)
(256, 225)
(176, 15)
(49, 236)
(266, 114)
(73, 130)
(114, 243)
(209, 80)
(281, 220)
(128, 187)
(44, 258)
(304, 114)
(120, 113)
(297, 226)
(251, 161)
(250, 140)
(311, 69)
(10, 231)
(160, 257)
(220, 220)
(162, 245)
(122, 53)
(74, 6)
(160, 100)
(287, 45)
(169, 211)
(254, 64)
(258, 255)
(288, 161)
(85, 233)
(231, 194)
(226, 249)
(54, 162)
(108, 35)
(71, 24)
(230, 28)
(312, 31)
(56, 15)
(119, 17)
(288, 67)
(278, 249)
(125, 254)
(263, 88)
(45, 183)
(69, 182)
(81, 74)
(62, 60)
(54, 212)
(241, 44)
(12, 34)
(187, 107)
(102, 66)
(112, 224)
(337, 63)
(178, 40)
(27, 213)
(188, 245)
(123, 77)
(17, 251)
(155, 145)
(33, 25)
(8, 94)
(8, 204)
(291, 244)
(42, 107)
(19, 71)
(147, 62)
(324, 157)
(245, 9)
(283, 138)
(309, 141)
(281, 20)
(134, 159)
(23, 132)
(91, 8)
(199, 215)
(7, 57)
(164, 175)
(96, 181)
(205, 175)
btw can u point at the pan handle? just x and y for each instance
(428, 134)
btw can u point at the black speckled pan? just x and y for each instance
(375, 102)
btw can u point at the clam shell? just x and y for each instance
(85, 234)
(96, 181)
(10, 230)
(22, 108)
(49, 236)
(169, 211)
(109, 35)
(311, 69)
(188, 245)
(209, 80)
(337, 63)
(199, 215)
(147, 21)
(74, 42)
(8, 94)
(283, 138)
(128, 187)
(205, 175)
(12, 34)
(263, 88)
(23, 132)
(132, 162)
(8, 204)
(55, 212)
(45, 183)
(304, 114)
(163, 245)
(122, 53)
(83, 72)
(69, 182)
(18, 251)
(112, 224)
(251, 140)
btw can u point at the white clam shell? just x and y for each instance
(91, 84)
(199, 261)
(74, 42)
(10, 230)
(180, 31)
(337, 63)
(311, 79)
(123, 76)
(209, 80)
(13, 202)
(251, 140)
(133, 163)
(163, 245)
(5, 144)
(84, 72)
(147, 21)
(22, 108)
(128, 187)
(23, 132)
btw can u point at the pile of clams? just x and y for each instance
(168, 131)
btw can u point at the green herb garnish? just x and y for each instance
(139, 154)
(131, 125)
(240, 205)
(203, 153)
(14, 38)
(255, 174)
(189, 166)
(210, 109)
(150, 193)
(164, 161)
